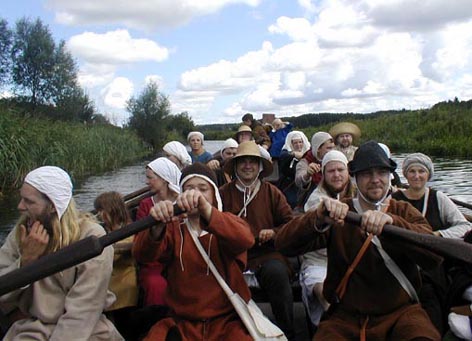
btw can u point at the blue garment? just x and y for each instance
(203, 158)
(278, 140)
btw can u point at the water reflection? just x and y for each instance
(452, 176)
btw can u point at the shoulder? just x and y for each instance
(90, 228)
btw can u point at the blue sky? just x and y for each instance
(218, 59)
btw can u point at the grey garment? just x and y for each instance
(451, 216)
(68, 305)
(300, 173)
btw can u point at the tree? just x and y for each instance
(64, 78)
(181, 124)
(149, 113)
(5, 50)
(75, 105)
(33, 60)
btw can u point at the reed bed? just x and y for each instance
(82, 150)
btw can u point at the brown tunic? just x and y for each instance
(195, 297)
(372, 289)
(268, 210)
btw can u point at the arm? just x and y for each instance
(86, 299)
(450, 215)
(301, 174)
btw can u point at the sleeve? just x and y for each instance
(302, 167)
(299, 236)
(10, 260)
(86, 299)
(232, 231)
(450, 215)
(282, 210)
(314, 199)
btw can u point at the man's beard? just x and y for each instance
(333, 191)
(45, 219)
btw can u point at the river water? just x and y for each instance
(452, 176)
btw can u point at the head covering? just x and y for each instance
(229, 143)
(168, 171)
(370, 155)
(178, 150)
(345, 128)
(201, 170)
(385, 149)
(420, 160)
(192, 133)
(54, 183)
(317, 141)
(333, 155)
(249, 148)
(296, 135)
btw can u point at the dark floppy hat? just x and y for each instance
(370, 155)
(249, 148)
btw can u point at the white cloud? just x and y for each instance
(143, 14)
(117, 93)
(115, 47)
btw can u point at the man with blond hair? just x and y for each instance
(68, 305)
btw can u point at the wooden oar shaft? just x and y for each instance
(136, 193)
(450, 248)
(71, 255)
(461, 203)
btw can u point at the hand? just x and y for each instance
(163, 211)
(313, 168)
(333, 209)
(298, 155)
(265, 235)
(213, 164)
(194, 199)
(374, 221)
(33, 244)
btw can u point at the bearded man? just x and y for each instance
(344, 135)
(69, 304)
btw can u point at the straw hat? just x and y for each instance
(249, 148)
(345, 128)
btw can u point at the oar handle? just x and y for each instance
(451, 248)
(71, 255)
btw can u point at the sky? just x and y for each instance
(218, 59)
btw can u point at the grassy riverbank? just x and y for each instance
(82, 150)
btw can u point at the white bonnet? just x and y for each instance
(295, 134)
(333, 155)
(229, 143)
(192, 133)
(317, 141)
(54, 183)
(168, 171)
(178, 150)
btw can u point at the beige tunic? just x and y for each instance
(65, 306)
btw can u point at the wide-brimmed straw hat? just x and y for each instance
(345, 128)
(249, 148)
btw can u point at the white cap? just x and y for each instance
(199, 134)
(53, 182)
(168, 171)
(178, 150)
(333, 155)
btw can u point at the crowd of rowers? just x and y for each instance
(356, 282)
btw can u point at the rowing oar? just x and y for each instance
(71, 255)
(461, 203)
(447, 247)
(136, 193)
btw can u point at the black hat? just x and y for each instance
(370, 155)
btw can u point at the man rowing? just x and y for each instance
(69, 304)
(377, 298)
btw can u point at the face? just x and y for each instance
(35, 206)
(228, 153)
(154, 181)
(324, 148)
(417, 177)
(195, 142)
(373, 183)
(244, 136)
(336, 176)
(247, 168)
(201, 185)
(344, 140)
(297, 145)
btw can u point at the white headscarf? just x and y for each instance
(317, 141)
(54, 183)
(199, 134)
(168, 171)
(178, 150)
(296, 135)
(333, 155)
(229, 143)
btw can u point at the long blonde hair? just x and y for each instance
(65, 231)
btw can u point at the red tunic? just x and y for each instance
(150, 278)
(200, 307)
